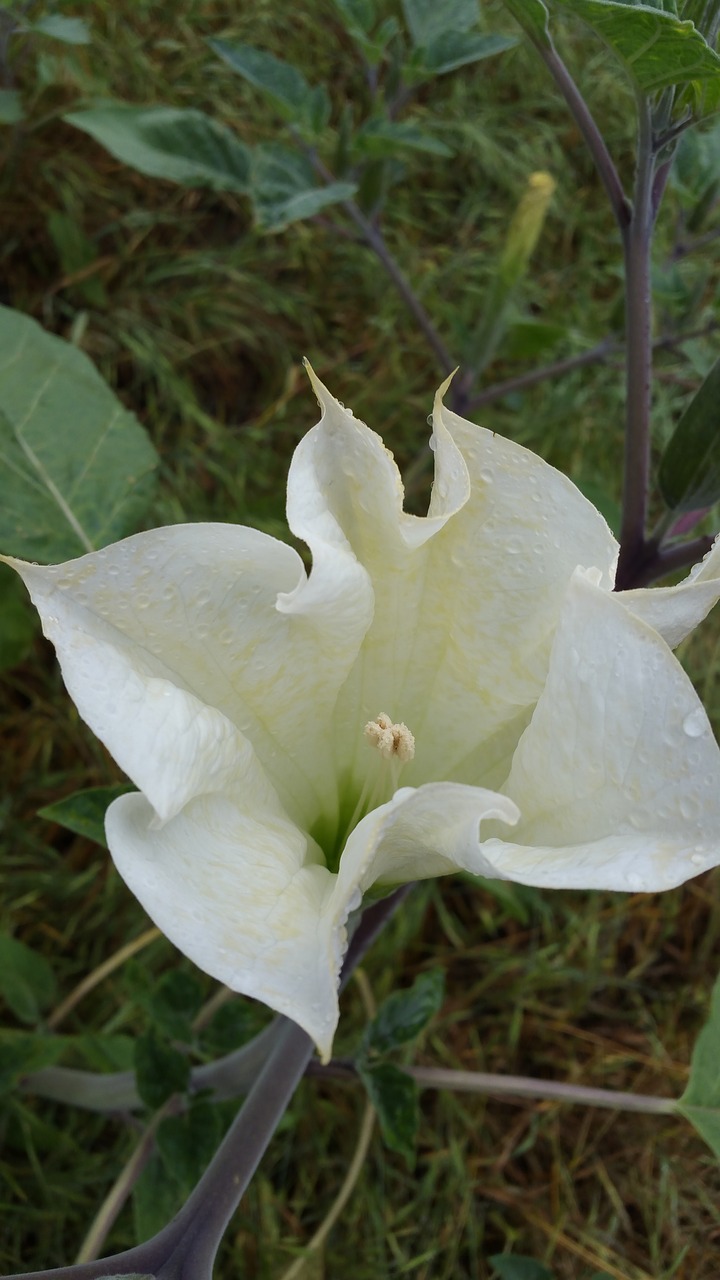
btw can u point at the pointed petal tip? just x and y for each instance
(324, 397)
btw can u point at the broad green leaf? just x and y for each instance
(104, 1051)
(11, 108)
(76, 468)
(405, 1014)
(513, 1266)
(381, 138)
(178, 144)
(296, 100)
(284, 189)
(657, 49)
(21, 1053)
(17, 625)
(84, 811)
(453, 49)
(160, 1069)
(69, 30)
(532, 16)
(700, 1103)
(689, 473)
(359, 15)
(427, 19)
(27, 982)
(394, 1095)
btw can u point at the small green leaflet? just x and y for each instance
(59, 27)
(84, 811)
(453, 49)
(426, 19)
(284, 189)
(178, 144)
(76, 469)
(689, 473)
(405, 1014)
(700, 1103)
(160, 1070)
(394, 1095)
(296, 100)
(384, 138)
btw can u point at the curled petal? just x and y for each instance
(618, 775)
(234, 885)
(675, 611)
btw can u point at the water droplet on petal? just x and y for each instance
(695, 723)
(487, 477)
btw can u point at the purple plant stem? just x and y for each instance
(637, 241)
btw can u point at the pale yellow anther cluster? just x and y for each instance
(393, 741)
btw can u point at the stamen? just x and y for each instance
(393, 741)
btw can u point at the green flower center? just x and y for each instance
(393, 746)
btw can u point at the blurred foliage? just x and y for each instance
(197, 319)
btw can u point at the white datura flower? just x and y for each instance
(461, 690)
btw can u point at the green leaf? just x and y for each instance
(513, 1266)
(17, 625)
(689, 474)
(173, 1002)
(84, 811)
(161, 1070)
(178, 144)
(187, 1142)
(105, 1051)
(700, 1103)
(359, 15)
(426, 19)
(453, 49)
(69, 30)
(27, 982)
(656, 48)
(405, 1014)
(11, 108)
(156, 1199)
(21, 1053)
(231, 1026)
(284, 188)
(381, 138)
(296, 100)
(532, 16)
(76, 469)
(394, 1095)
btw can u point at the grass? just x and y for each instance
(199, 323)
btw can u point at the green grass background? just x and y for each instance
(199, 323)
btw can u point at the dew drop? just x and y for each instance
(697, 859)
(487, 476)
(695, 723)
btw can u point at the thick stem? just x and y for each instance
(637, 241)
(186, 1248)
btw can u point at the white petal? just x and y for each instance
(431, 831)
(675, 611)
(466, 601)
(197, 606)
(228, 881)
(617, 776)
